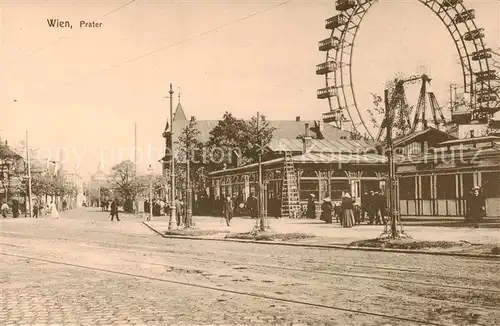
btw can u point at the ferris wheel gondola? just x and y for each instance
(481, 81)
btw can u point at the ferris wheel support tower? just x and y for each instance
(481, 82)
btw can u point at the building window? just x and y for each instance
(338, 187)
(491, 184)
(467, 183)
(446, 186)
(308, 187)
(425, 184)
(407, 188)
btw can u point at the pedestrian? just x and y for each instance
(167, 209)
(5, 209)
(64, 205)
(35, 210)
(326, 210)
(114, 210)
(146, 208)
(252, 205)
(228, 210)
(162, 207)
(370, 206)
(476, 206)
(357, 211)
(15, 208)
(178, 211)
(311, 207)
(53, 210)
(379, 207)
(347, 219)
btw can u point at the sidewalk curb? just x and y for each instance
(333, 246)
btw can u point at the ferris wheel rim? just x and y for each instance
(462, 46)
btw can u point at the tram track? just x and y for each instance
(226, 290)
(254, 267)
(189, 256)
(155, 248)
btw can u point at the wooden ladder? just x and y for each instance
(290, 205)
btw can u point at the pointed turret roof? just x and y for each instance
(179, 114)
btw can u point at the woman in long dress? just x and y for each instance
(326, 210)
(53, 210)
(347, 219)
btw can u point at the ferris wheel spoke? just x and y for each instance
(475, 60)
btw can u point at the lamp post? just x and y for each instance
(172, 164)
(189, 199)
(392, 189)
(29, 177)
(260, 206)
(150, 171)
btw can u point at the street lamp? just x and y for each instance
(150, 171)
(172, 164)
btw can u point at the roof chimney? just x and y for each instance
(306, 140)
(297, 118)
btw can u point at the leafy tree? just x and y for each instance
(225, 137)
(188, 146)
(41, 184)
(125, 183)
(377, 114)
(60, 185)
(232, 134)
(256, 134)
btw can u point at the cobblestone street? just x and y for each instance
(85, 270)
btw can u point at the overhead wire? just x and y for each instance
(188, 39)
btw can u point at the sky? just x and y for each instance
(83, 90)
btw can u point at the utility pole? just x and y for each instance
(392, 171)
(172, 163)
(261, 194)
(150, 171)
(189, 208)
(30, 208)
(136, 202)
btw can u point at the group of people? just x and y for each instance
(162, 208)
(349, 213)
(39, 209)
(251, 207)
(345, 213)
(373, 206)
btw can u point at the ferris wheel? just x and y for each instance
(480, 82)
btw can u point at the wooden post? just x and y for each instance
(390, 159)
(261, 193)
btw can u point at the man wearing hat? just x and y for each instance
(476, 206)
(326, 210)
(311, 207)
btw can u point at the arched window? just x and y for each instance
(339, 174)
(309, 174)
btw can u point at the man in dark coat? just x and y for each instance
(370, 206)
(311, 207)
(476, 205)
(326, 210)
(114, 210)
(15, 208)
(252, 205)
